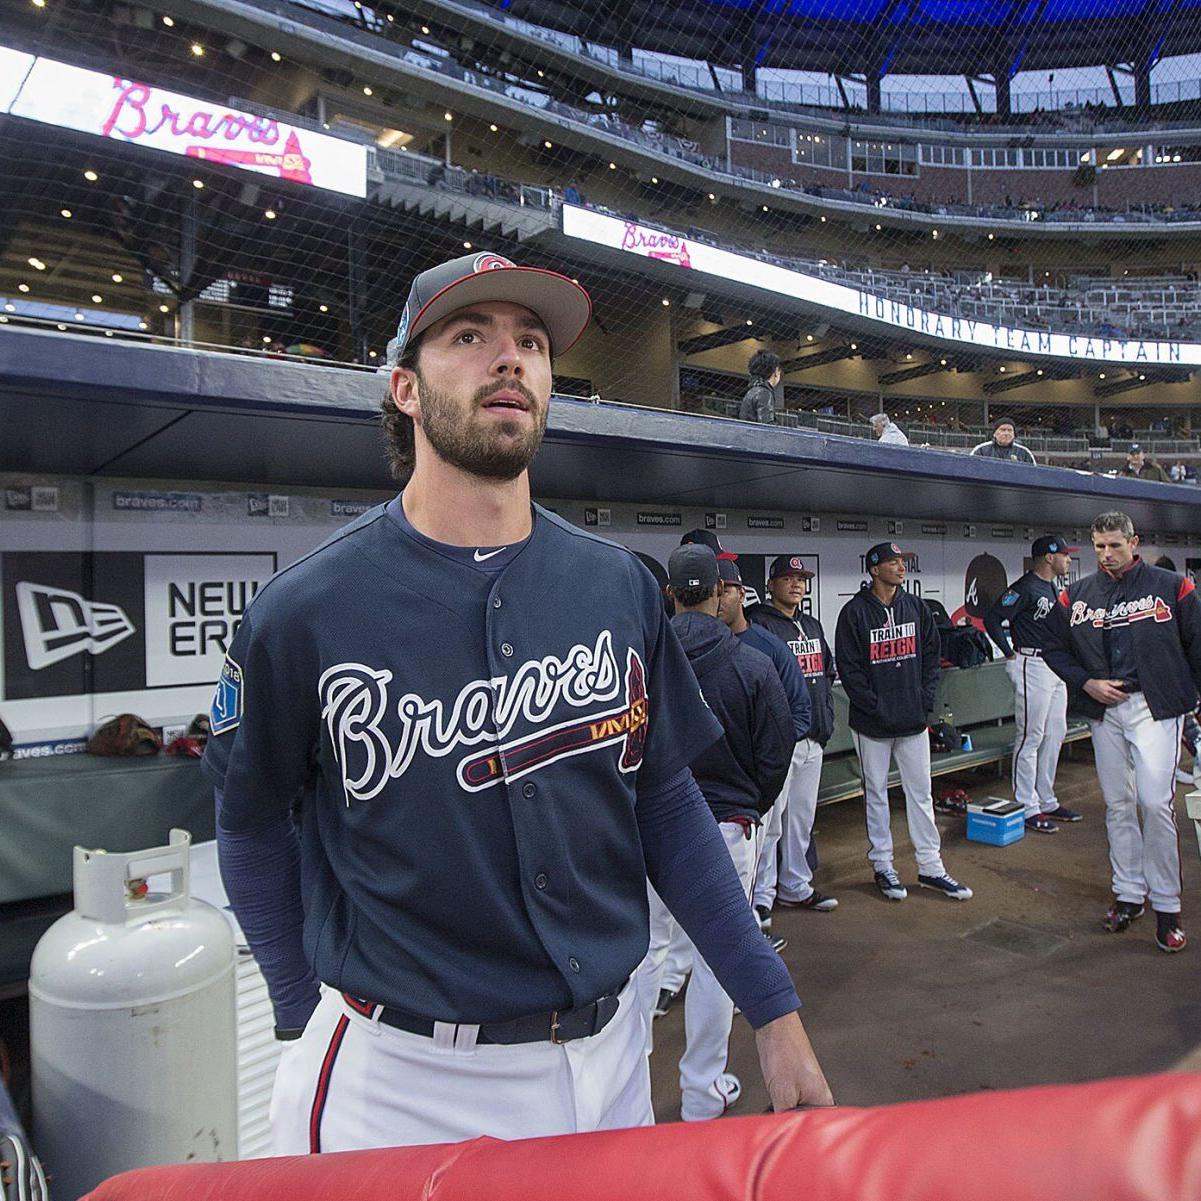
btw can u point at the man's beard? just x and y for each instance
(501, 452)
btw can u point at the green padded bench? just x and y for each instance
(977, 701)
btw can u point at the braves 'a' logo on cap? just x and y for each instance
(896, 550)
(796, 562)
(489, 262)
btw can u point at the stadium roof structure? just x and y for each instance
(877, 37)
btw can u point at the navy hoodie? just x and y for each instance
(742, 773)
(889, 663)
(807, 641)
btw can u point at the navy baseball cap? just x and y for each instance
(728, 571)
(881, 553)
(1051, 544)
(692, 566)
(706, 538)
(558, 302)
(789, 565)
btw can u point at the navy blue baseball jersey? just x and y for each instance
(464, 745)
(1025, 605)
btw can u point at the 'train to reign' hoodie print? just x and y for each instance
(889, 662)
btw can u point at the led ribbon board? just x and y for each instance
(648, 243)
(125, 110)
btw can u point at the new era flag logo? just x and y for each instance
(57, 624)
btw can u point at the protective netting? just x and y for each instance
(950, 210)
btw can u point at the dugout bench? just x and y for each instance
(976, 700)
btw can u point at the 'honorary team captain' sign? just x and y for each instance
(685, 254)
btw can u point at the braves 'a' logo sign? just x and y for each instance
(355, 709)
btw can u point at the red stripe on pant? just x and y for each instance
(327, 1069)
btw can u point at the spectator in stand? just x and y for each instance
(1004, 444)
(571, 194)
(1139, 467)
(1177, 472)
(884, 428)
(759, 403)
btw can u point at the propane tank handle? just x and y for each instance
(106, 885)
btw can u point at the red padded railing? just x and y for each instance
(1118, 1140)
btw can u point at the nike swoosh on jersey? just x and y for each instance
(480, 558)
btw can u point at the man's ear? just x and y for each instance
(404, 389)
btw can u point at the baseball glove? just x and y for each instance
(124, 736)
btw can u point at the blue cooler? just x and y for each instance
(995, 821)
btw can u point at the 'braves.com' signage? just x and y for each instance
(666, 247)
(127, 110)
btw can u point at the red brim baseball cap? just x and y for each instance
(559, 303)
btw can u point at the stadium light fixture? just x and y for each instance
(879, 227)
(270, 214)
(942, 362)
(36, 264)
(854, 345)
(118, 278)
(97, 298)
(142, 325)
(541, 73)
(448, 116)
(372, 355)
(1142, 376)
(466, 245)
(749, 321)
(934, 233)
(612, 166)
(169, 22)
(108, 333)
(198, 184)
(908, 358)
(324, 308)
(266, 338)
(22, 287)
(80, 317)
(1175, 158)
(494, 128)
(61, 328)
(548, 145)
(39, 3)
(1001, 370)
(1039, 371)
(276, 56)
(776, 183)
(164, 308)
(1102, 375)
(90, 175)
(197, 49)
(426, 30)
(654, 179)
(367, 91)
(712, 197)
(66, 213)
(765, 208)
(992, 237)
(823, 220)
(666, 302)
(10, 307)
(808, 337)
(391, 17)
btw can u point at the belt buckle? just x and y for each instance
(554, 1029)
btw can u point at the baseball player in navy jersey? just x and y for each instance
(440, 794)
(1127, 640)
(792, 827)
(1040, 698)
(740, 776)
(889, 657)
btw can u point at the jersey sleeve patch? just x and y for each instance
(1010, 598)
(226, 712)
(1186, 586)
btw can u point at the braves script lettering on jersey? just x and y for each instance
(392, 690)
(1122, 613)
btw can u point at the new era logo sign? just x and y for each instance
(57, 624)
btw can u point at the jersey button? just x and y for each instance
(528, 790)
(574, 964)
(506, 649)
(541, 880)
(496, 602)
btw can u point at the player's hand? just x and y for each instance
(1107, 692)
(790, 1068)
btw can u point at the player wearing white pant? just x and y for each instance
(889, 656)
(706, 1088)
(1136, 759)
(740, 776)
(1127, 640)
(788, 829)
(1040, 697)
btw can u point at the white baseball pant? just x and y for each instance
(678, 963)
(1040, 705)
(351, 1083)
(1136, 759)
(804, 781)
(912, 755)
(708, 1010)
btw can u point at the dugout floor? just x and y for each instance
(1019, 986)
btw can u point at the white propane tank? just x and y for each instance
(133, 1046)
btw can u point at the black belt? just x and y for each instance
(555, 1025)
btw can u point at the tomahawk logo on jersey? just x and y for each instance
(892, 642)
(1145, 607)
